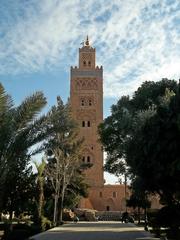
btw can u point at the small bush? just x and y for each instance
(68, 215)
(45, 223)
(90, 215)
(168, 218)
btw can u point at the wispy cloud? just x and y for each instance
(135, 40)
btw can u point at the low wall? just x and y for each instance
(108, 215)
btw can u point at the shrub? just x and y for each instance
(45, 223)
(68, 215)
(86, 214)
(168, 218)
(90, 215)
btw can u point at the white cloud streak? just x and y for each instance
(135, 40)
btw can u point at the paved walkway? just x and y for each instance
(94, 231)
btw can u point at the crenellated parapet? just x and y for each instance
(78, 72)
(87, 49)
(97, 67)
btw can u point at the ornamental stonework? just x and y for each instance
(86, 101)
(86, 84)
(87, 154)
(86, 56)
(76, 72)
(89, 147)
(89, 115)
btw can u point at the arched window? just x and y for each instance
(84, 63)
(90, 102)
(83, 123)
(83, 159)
(114, 194)
(82, 102)
(88, 124)
(89, 63)
(100, 194)
(88, 159)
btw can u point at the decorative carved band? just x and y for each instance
(86, 101)
(75, 72)
(86, 115)
(86, 84)
(86, 56)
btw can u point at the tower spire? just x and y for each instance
(87, 41)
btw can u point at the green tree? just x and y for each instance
(126, 118)
(75, 190)
(20, 130)
(153, 149)
(139, 198)
(149, 140)
(64, 147)
(40, 178)
(157, 163)
(24, 133)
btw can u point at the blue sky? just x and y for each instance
(135, 40)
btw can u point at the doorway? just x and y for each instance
(107, 208)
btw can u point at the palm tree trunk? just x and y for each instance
(41, 199)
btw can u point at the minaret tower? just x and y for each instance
(86, 96)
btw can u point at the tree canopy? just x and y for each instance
(20, 129)
(64, 161)
(144, 131)
(24, 132)
(136, 131)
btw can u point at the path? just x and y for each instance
(94, 231)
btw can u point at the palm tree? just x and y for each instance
(40, 178)
(20, 129)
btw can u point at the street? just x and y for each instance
(94, 231)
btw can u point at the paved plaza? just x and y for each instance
(94, 231)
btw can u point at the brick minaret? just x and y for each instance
(86, 96)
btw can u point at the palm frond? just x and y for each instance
(29, 109)
(5, 100)
(40, 167)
